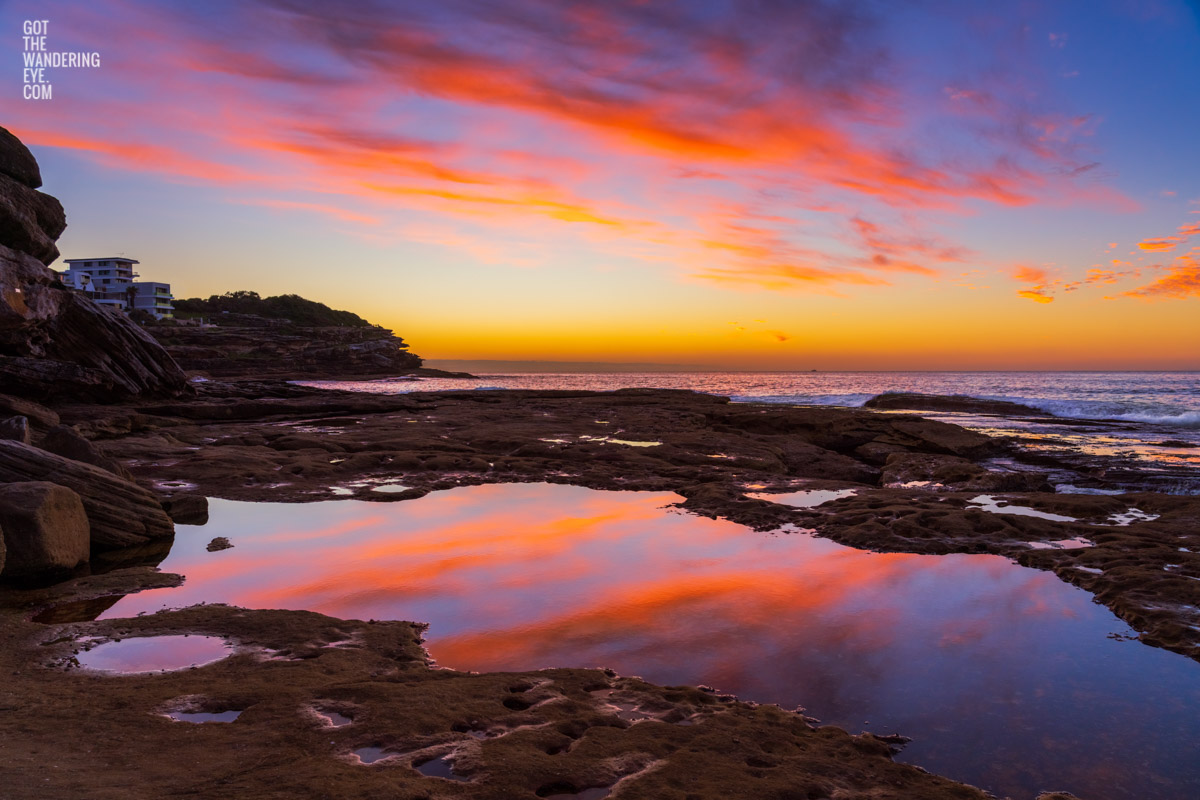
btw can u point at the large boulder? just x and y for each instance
(17, 162)
(121, 513)
(30, 221)
(45, 530)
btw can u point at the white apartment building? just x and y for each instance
(110, 281)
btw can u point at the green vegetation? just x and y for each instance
(305, 313)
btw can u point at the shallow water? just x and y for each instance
(805, 498)
(201, 717)
(154, 653)
(439, 767)
(1005, 676)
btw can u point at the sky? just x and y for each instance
(755, 184)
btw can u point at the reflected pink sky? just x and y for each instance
(971, 654)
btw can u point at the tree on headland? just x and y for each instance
(293, 307)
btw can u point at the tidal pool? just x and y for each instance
(201, 718)
(154, 654)
(1005, 677)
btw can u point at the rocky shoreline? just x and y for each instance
(104, 446)
(915, 480)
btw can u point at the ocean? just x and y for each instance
(1110, 431)
(1165, 398)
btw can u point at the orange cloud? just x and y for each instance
(1036, 295)
(1181, 281)
(526, 130)
(1028, 274)
(1160, 245)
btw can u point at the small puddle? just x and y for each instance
(369, 755)
(612, 440)
(154, 654)
(914, 485)
(200, 717)
(333, 718)
(1129, 517)
(174, 484)
(388, 488)
(1063, 544)
(1067, 488)
(806, 498)
(988, 503)
(439, 767)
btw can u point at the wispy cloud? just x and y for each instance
(774, 150)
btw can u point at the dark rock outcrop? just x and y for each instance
(121, 513)
(37, 414)
(17, 162)
(56, 343)
(961, 403)
(65, 441)
(30, 221)
(45, 530)
(16, 429)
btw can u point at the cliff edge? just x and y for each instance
(55, 343)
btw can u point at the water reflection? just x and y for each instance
(1004, 675)
(154, 653)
